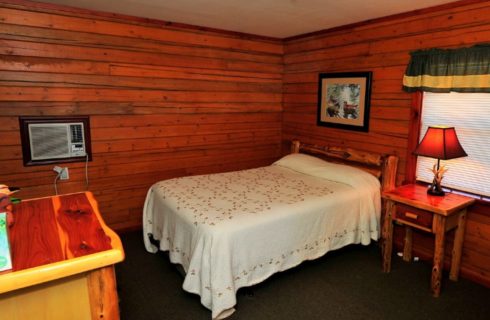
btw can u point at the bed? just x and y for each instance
(235, 229)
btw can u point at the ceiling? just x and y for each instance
(273, 18)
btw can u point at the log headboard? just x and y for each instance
(381, 166)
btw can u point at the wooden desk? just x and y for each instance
(429, 213)
(63, 256)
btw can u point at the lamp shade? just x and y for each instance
(440, 143)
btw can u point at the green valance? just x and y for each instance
(445, 70)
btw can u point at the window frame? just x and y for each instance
(413, 136)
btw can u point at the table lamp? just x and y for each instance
(441, 143)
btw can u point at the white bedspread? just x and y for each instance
(236, 229)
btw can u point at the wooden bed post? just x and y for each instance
(387, 208)
(389, 173)
(295, 146)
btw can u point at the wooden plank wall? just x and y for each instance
(383, 47)
(163, 101)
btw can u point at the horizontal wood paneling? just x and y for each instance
(131, 29)
(163, 101)
(383, 47)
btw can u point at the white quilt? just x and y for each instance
(236, 229)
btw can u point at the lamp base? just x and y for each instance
(435, 190)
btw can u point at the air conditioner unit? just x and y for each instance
(56, 140)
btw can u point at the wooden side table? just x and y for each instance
(411, 206)
(63, 258)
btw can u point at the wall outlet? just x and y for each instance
(64, 174)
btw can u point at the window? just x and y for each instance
(469, 113)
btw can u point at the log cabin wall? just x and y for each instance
(382, 46)
(163, 100)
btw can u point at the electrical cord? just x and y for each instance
(60, 171)
(86, 172)
(55, 182)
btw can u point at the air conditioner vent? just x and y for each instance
(48, 141)
(55, 139)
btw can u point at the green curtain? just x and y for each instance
(445, 70)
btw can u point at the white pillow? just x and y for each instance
(316, 167)
(300, 161)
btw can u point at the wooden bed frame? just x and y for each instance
(381, 166)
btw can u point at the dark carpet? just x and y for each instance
(344, 284)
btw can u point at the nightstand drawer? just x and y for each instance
(414, 216)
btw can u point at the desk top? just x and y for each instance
(416, 196)
(56, 237)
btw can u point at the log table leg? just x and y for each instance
(458, 247)
(407, 246)
(440, 234)
(103, 294)
(387, 235)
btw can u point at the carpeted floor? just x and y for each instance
(344, 284)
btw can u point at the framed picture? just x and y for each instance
(343, 100)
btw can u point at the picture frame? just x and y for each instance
(344, 100)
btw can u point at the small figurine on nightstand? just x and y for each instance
(435, 188)
(6, 203)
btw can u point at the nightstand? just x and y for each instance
(411, 206)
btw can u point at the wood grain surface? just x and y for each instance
(34, 237)
(50, 230)
(164, 101)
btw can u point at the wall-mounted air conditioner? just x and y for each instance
(54, 139)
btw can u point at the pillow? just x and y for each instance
(316, 167)
(300, 161)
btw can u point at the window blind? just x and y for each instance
(469, 113)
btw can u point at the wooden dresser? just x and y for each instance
(63, 259)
